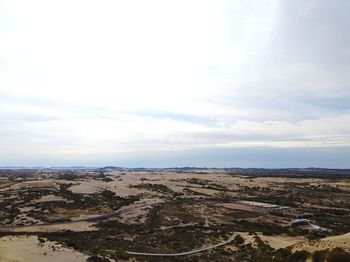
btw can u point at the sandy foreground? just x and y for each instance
(342, 241)
(29, 249)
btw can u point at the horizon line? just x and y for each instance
(170, 167)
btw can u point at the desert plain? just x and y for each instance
(174, 214)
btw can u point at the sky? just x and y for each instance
(175, 83)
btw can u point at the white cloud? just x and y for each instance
(82, 77)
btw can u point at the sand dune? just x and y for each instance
(341, 241)
(29, 249)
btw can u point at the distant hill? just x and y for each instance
(233, 170)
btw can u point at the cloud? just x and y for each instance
(80, 78)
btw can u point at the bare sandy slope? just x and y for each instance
(123, 183)
(342, 241)
(276, 241)
(29, 249)
(75, 226)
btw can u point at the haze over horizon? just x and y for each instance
(175, 83)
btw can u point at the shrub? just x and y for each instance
(239, 239)
(319, 255)
(97, 259)
(338, 255)
(107, 194)
(299, 256)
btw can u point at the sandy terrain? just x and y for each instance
(75, 226)
(342, 241)
(49, 198)
(207, 205)
(276, 242)
(35, 184)
(29, 249)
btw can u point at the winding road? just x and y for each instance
(182, 253)
(119, 212)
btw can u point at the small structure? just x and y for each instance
(317, 229)
(306, 226)
(258, 204)
(266, 208)
(235, 206)
(300, 222)
(277, 210)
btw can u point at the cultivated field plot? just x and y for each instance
(116, 214)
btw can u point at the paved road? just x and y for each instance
(182, 253)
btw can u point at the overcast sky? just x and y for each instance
(175, 83)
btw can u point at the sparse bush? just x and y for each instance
(41, 240)
(338, 255)
(122, 255)
(239, 239)
(319, 255)
(299, 256)
(107, 194)
(97, 259)
(107, 179)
